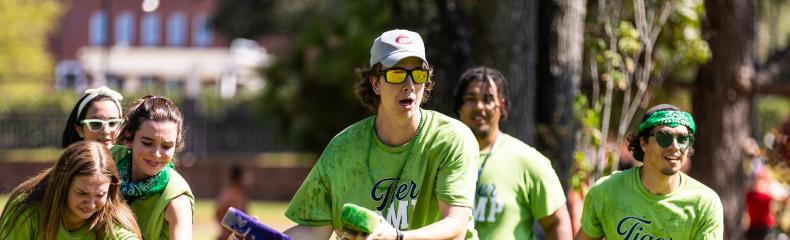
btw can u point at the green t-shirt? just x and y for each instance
(27, 227)
(149, 210)
(516, 187)
(619, 207)
(405, 188)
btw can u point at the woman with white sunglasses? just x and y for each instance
(97, 116)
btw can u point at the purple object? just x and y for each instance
(244, 225)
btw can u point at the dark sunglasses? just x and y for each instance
(665, 139)
(398, 76)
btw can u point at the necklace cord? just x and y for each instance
(411, 143)
(490, 152)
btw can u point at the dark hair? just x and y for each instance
(152, 108)
(364, 90)
(634, 138)
(485, 75)
(46, 194)
(70, 134)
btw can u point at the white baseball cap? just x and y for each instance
(395, 45)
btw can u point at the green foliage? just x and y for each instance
(25, 25)
(242, 18)
(24, 63)
(627, 79)
(33, 97)
(773, 29)
(210, 103)
(680, 43)
(581, 173)
(770, 112)
(628, 42)
(679, 47)
(588, 138)
(310, 91)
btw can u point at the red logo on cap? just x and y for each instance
(403, 39)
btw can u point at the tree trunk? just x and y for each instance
(561, 40)
(721, 106)
(452, 55)
(506, 41)
(447, 46)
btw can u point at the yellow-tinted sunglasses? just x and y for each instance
(397, 75)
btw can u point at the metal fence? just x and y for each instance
(25, 130)
(233, 132)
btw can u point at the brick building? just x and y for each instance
(150, 44)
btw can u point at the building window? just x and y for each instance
(201, 34)
(150, 30)
(124, 29)
(176, 29)
(98, 28)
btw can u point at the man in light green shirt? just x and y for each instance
(517, 185)
(415, 167)
(655, 200)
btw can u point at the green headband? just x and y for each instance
(669, 118)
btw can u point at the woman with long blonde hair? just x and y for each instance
(78, 198)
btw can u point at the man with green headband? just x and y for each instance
(655, 200)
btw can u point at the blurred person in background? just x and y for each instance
(760, 199)
(764, 194)
(415, 167)
(160, 198)
(516, 184)
(655, 200)
(78, 198)
(97, 116)
(234, 195)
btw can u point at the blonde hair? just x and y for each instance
(45, 195)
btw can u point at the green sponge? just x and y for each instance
(359, 219)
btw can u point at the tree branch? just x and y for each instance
(770, 88)
(777, 65)
(780, 89)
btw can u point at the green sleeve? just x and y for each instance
(121, 233)
(591, 224)
(712, 222)
(546, 190)
(312, 205)
(455, 182)
(24, 228)
(118, 152)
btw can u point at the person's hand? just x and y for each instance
(384, 231)
(351, 235)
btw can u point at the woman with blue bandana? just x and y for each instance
(655, 200)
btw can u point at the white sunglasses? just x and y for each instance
(95, 125)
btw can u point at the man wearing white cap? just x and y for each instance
(415, 167)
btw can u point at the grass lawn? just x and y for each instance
(205, 227)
